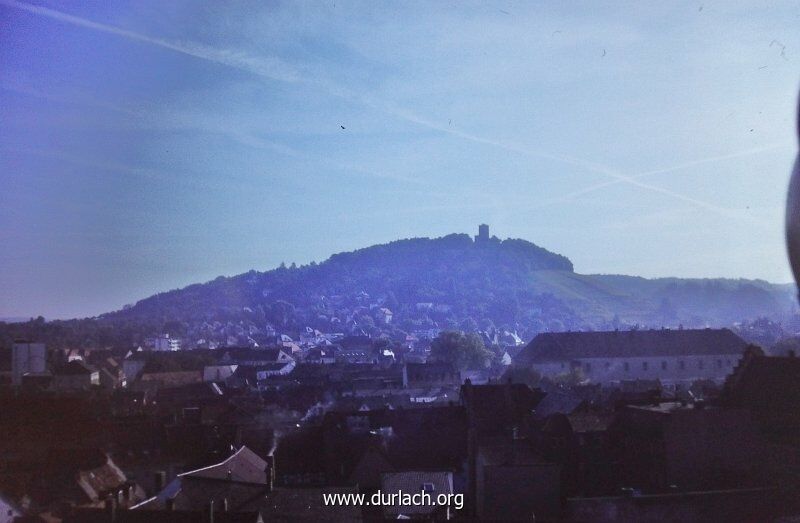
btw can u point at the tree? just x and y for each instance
(469, 325)
(461, 350)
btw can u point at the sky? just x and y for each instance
(146, 145)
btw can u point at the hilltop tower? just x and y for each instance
(483, 233)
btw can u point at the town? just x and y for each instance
(636, 425)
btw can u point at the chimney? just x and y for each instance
(111, 508)
(211, 511)
(225, 505)
(159, 481)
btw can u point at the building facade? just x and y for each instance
(27, 358)
(671, 356)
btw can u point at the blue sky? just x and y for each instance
(145, 146)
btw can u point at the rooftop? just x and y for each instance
(561, 346)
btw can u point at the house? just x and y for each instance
(279, 368)
(322, 355)
(133, 364)
(370, 468)
(165, 343)
(306, 504)
(231, 483)
(515, 483)
(255, 377)
(160, 380)
(356, 355)
(75, 375)
(74, 476)
(384, 316)
(694, 446)
(769, 387)
(9, 510)
(671, 356)
(433, 438)
(254, 357)
(27, 358)
(437, 485)
(218, 372)
(497, 409)
(111, 374)
(107, 479)
(430, 375)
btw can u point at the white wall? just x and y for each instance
(668, 369)
(7, 512)
(165, 343)
(27, 358)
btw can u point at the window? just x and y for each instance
(644, 365)
(427, 487)
(663, 365)
(627, 366)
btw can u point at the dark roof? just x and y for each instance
(563, 402)
(413, 482)
(76, 367)
(594, 421)
(509, 453)
(305, 504)
(253, 354)
(770, 388)
(356, 342)
(560, 346)
(100, 515)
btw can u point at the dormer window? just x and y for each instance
(428, 487)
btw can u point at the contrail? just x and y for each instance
(678, 167)
(275, 69)
(590, 166)
(271, 68)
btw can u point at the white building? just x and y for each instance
(165, 343)
(27, 358)
(671, 356)
(9, 511)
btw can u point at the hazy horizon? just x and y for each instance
(146, 147)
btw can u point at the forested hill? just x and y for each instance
(445, 270)
(451, 282)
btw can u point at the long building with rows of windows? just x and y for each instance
(672, 356)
